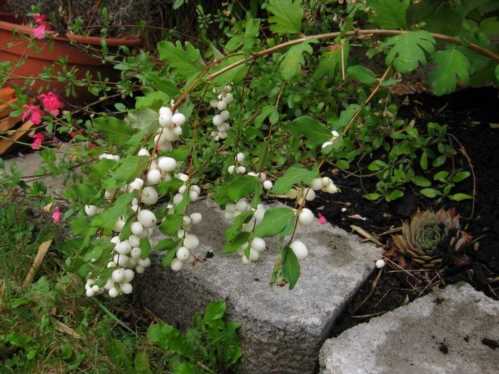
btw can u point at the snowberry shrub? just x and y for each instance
(260, 121)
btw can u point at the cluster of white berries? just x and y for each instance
(239, 168)
(335, 135)
(220, 120)
(170, 128)
(128, 259)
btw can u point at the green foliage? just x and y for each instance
(451, 67)
(287, 16)
(390, 14)
(186, 61)
(277, 221)
(294, 59)
(295, 175)
(407, 51)
(210, 345)
(290, 267)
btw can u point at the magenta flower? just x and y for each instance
(322, 219)
(51, 103)
(56, 215)
(39, 18)
(37, 141)
(32, 113)
(40, 31)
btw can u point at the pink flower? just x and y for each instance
(322, 219)
(51, 103)
(32, 113)
(39, 18)
(40, 31)
(56, 215)
(37, 141)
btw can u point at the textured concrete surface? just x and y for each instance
(441, 333)
(282, 330)
(29, 165)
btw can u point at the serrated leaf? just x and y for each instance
(390, 14)
(290, 267)
(294, 59)
(408, 50)
(185, 60)
(315, 132)
(276, 221)
(294, 175)
(451, 67)
(361, 74)
(286, 16)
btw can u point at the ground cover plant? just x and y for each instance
(277, 107)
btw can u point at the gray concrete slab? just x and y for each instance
(281, 330)
(440, 333)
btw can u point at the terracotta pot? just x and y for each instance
(30, 57)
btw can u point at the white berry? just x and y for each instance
(176, 265)
(268, 184)
(191, 241)
(299, 248)
(183, 254)
(196, 218)
(306, 216)
(126, 288)
(380, 264)
(258, 244)
(123, 247)
(91, 210)
(153, 176)
(149, 196)
(113, 292)
(137, 229)
(146, 218)
(167, 164)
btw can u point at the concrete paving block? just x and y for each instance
(451, 331)
(282, 330)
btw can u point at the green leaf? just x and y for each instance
(186, 61)
(114, 130)
(169, 338)
(152, 100)
(251, 32)
(362, 74)
(294, 59)
(346, 116)
(497, 73)
(460, 197)
(214, 311)
(129, 169)
(441, 176)
(430, 192)
(421, 181)
(377, 165)
(408, 50)
(390, 14)
(108, 218)
(268, 111)
(171, 224)
(451, 67)
(315, 132)
(394, 195)
(276, 221)
(242, 186)
(423, 161)
(460, 176)
(286, 16)
(296, 174)
(290, 267)
(234, 229)
(372, 196)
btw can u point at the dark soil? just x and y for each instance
(473, 119)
